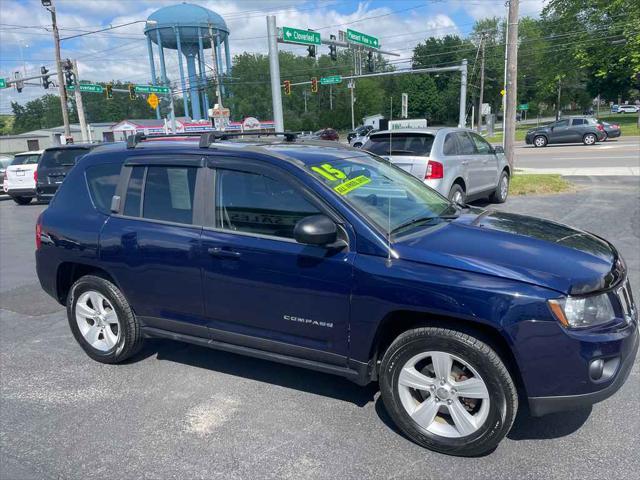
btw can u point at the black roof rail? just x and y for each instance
(134, 140)
(207, 138)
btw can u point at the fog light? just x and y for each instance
(596, 368)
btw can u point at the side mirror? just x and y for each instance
(498, 149)
(315, 230)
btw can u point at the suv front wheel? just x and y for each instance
(448, 391)
(102, 321)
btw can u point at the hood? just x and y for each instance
(517, 247)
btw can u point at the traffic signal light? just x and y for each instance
(109, 91)
(69, 77)
(314, 85)
(370, 61)
(46, 83)
(287, 87)
(312, 51)
(132, 92)
(333, 51)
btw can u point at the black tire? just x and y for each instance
(500, 194)
(130, 338)
(589, 139)
(357, 145)
(503, 398)
(540, 141)
(22, 200)
(456, 190)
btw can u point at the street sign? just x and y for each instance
(362, 39)
(153, 100)
(303, 37)
(331, 80)
(87, 87)
(3, 83)
(523, 106)
(151, 89)
(503, 92)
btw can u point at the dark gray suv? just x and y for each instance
(585, 130)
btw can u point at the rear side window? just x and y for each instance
(25, 160)
(102, 181)
(168, 194)
(417, 144)
(62, 157)
(466, 145)
(578, 121)
(450, 146)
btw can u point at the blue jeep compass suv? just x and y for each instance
(314, 254)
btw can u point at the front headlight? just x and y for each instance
(582, 312)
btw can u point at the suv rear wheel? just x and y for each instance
(502, 190)
(102, 321)
(22, 200)
(448, 391)
(456, 194)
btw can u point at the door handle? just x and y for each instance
(223, 252)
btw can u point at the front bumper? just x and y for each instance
(540, 406)
(613, 133)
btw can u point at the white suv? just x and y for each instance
(20, 177)
(628, 108)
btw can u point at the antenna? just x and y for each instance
(389, 160)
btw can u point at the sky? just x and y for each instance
(26, 41)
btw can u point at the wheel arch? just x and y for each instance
(69, 272)
(459, 181)
(400, 321)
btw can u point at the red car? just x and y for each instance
(326, 134)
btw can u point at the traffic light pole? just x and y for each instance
(61, 90)
(274, 71)
(80, 105)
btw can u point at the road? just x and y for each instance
(178, 411)
(613, 157)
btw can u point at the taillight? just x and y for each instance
(600, 127)
(38, 232)
(435, 170)
(35, 176)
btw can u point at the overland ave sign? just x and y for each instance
(303, 37)
(362, 39)
(87, 87)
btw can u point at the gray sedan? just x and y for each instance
(456, 162)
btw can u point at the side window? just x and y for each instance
(562, 123)
(450, 146)
(134, 192)
(254, 203)
(102, 181)
(482, 146)
(466, 145)
(168, 194)
(578, 121)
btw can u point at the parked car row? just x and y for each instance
(39, 173)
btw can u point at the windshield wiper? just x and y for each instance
(391, 152)
(417, 220)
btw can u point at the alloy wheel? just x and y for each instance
(443, 394)
(97, 320)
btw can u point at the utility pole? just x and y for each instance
(352, 86)
(274, 71)
(504, 84)
(482, 39)
(558, 102)
(330, 97)
(305, 94)
(79, 104)
(462, 120)
(61, 90)
(512, 82)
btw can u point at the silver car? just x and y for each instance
(359, 140)
(456, 162)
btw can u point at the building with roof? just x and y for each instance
(51, 137)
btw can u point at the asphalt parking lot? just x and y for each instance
(181, 411)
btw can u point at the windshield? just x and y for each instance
(386, 195)
(5, 162)
(26, 159)
(62, 157)
(401, 144)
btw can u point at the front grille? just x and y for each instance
(625, 297)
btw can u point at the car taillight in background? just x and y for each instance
(35, 176)
(599, 127)
(616, 126)
(435, 170)
(38, 232)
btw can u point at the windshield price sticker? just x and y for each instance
(351, 185)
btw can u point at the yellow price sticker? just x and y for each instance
(351, 185)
